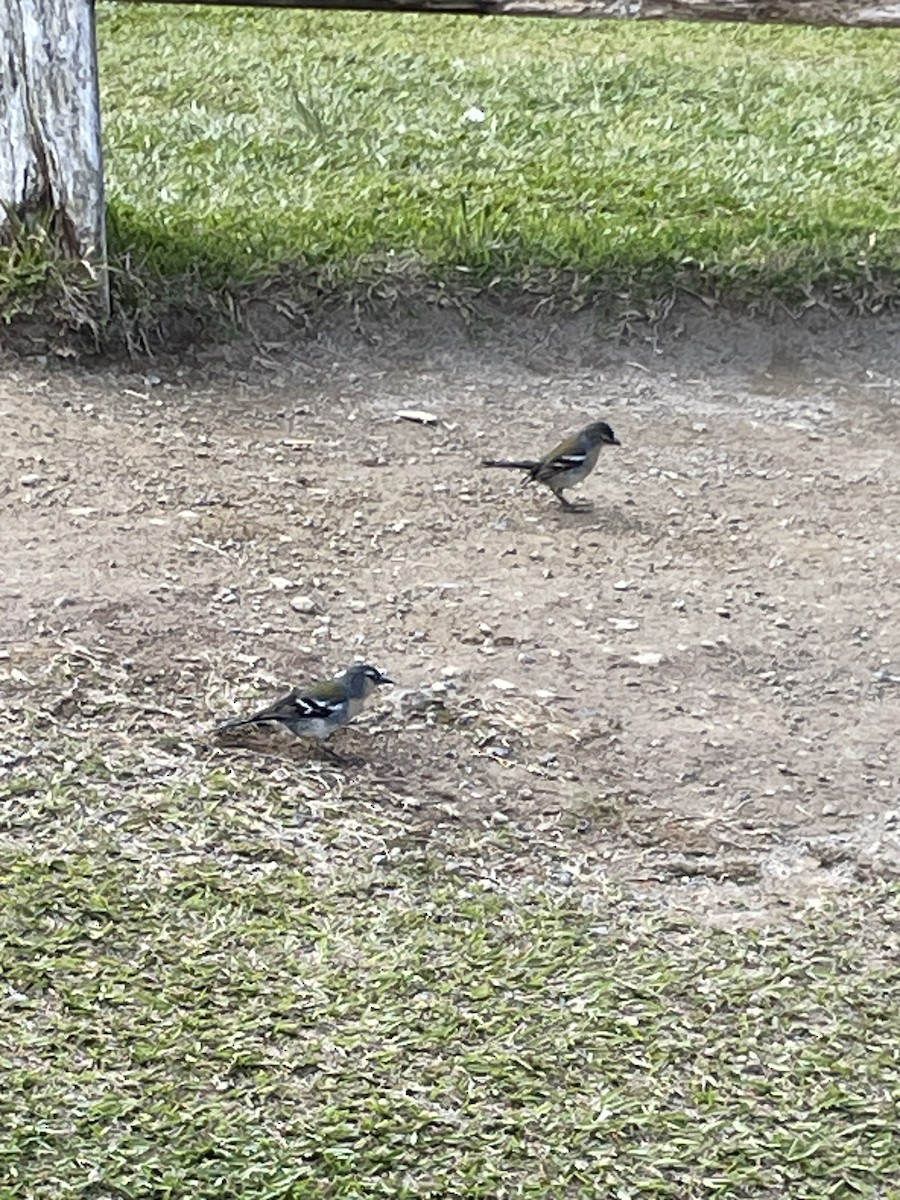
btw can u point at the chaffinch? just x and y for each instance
(320, 710)
(566, 464)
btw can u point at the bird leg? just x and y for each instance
(340, 760)
(572, 506)
(567, 504)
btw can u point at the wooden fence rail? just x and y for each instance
(860, 13)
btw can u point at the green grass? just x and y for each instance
(221, 982)
(625, 157)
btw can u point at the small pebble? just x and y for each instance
(647, 658)
(304, 605)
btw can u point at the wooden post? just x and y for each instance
(51, 161)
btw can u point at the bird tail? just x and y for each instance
(515, 466)
(245, 722)
(235, 723)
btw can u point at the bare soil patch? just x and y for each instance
(693, 685)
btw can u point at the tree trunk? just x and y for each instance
(51, 164)
(863, 13)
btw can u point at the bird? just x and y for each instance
(566, 464)
(320, 710)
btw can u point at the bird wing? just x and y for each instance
(562, 458)
(319, 702)
(307, 705)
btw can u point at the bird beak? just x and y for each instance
(387, 679)
(616, 441)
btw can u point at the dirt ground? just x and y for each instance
(691, 686)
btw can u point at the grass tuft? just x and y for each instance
(40, 282)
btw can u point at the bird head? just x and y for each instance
(362, 679)
(601, 434)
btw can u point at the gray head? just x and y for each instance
(361, 679)
(600, 434)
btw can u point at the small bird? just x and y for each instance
(320, 710)
(566, 464)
